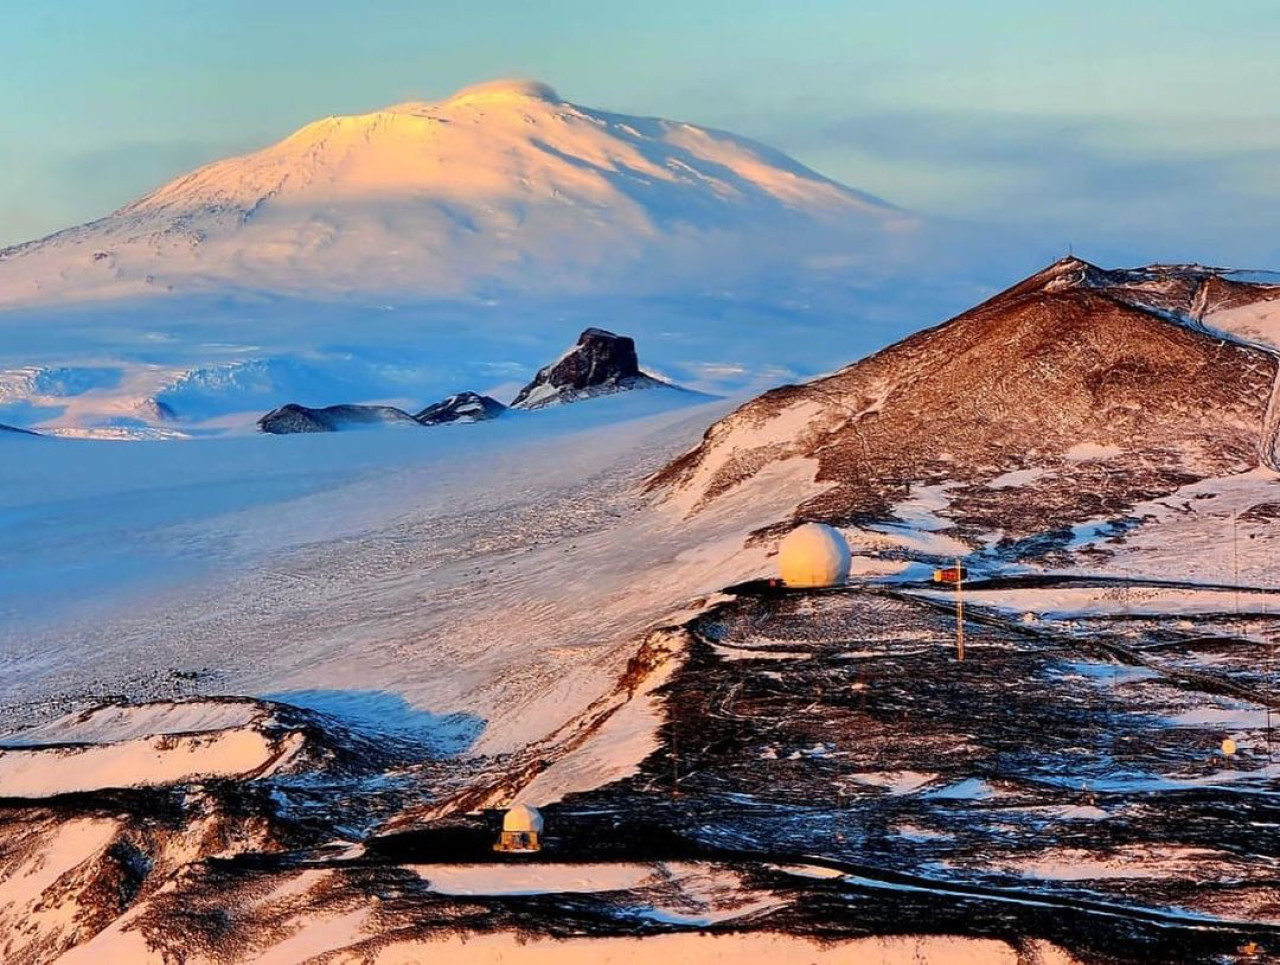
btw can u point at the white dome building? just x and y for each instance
(521, 830)
(814, 554)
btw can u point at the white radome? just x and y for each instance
(814, 554)
(521, 817)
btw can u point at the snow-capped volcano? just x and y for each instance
(502, 186)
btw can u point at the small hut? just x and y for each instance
(521, 830)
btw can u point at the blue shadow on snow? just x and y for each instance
(380, 713)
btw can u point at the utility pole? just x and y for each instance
(1271, 670)
(1235, 553)
(1271, 656)
(1270, 676)
(675, 761)
(959, 612)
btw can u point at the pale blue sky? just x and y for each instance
(1135, 129)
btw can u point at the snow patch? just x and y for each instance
(972, 789)
(1088, 451)
(1018, 478)
(896, 783)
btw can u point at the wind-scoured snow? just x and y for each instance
(423, 564)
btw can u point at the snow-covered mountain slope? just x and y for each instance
(1244, 317)
(114, 747)
(370, 561)
(186, 741)
(1082, 390)
(504, 184)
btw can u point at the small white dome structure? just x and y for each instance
(814, 554)
(521, 817)
(521, 830)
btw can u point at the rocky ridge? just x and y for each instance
(293, 418)
(600, 363)
(1072, 395)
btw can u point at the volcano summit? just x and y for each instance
(502, 184)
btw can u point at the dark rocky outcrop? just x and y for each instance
(293, 418)
(461, 408)
(16, 431)
(601, 363)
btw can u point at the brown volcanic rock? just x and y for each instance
(1085, 376)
